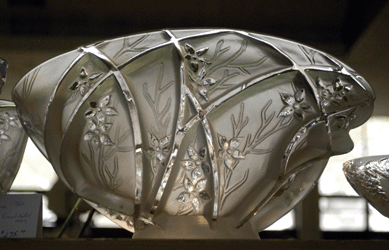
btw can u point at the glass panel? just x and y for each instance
(333, 181)
(377, 222)
(369, 139)
(287, 222)
(342, 214)
(35, 173)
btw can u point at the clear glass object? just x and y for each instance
(201, 133)
(369, 176)
(12, 138)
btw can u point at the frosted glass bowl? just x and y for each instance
(205, 133)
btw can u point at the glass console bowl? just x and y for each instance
(205, 133)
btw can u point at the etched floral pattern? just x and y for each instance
(201, 69)
(99, 123)
(160, 148)
(296, 104)
(334, 93)
(193, 180)
(233, 151)
(159, 140)
(82, 84)
(7, 121)
(9, 147)
(229, 150)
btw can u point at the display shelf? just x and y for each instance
(118, 244)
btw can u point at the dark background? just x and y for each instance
(307, 21)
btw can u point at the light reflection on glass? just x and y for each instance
(369, 139)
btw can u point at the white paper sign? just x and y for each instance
(20, 215)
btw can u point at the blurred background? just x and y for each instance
(356, 32)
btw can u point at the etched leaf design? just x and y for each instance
(165, 141)
(105, 127)
(205, 167)
(209, 81)
(201, 74)
(204, 196)
(5, 137)
(288, 99)
(201, 52)
(192, 153)
(287, 111)
(196, 203)
(202, 153)
(105, 101)
(111, 111)
(75, 85)
(88, 136)
(235, 142)
(196, 173)
(188, 165)
(91, 125)
(105, 140)
(83, 72)
(183, 197)
(90, 113)
(188, 185)
(200, 185)
(189, 49)
(153, 140)
(94, 76)
(300, 95)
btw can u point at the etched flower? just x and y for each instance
(97, 126)
(197, 160)
(194, 181)
(229, 151)
(100, 110)
(195, 56)
(193, 192)
(295, 104)
(84, 81)
(9, 121)
(160, 149)
(98, 133)
(334, 93)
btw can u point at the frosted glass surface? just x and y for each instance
(369, 139)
